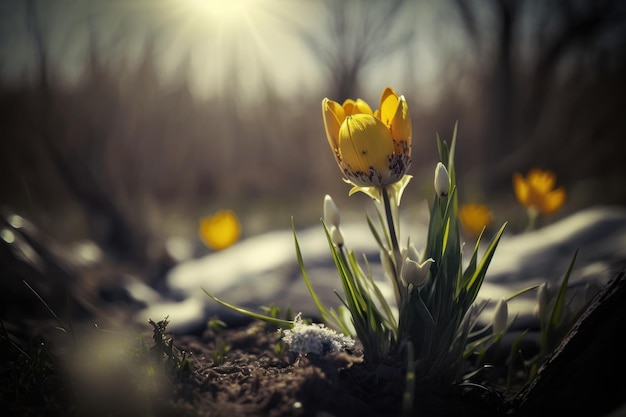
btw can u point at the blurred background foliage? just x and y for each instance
(126, 122)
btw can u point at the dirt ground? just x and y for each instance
(244, 370)
(256, 376)
(238, 371)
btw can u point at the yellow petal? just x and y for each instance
(474, 218)
(364, 144)
(220, 230)
(553, 201)
(355, 107)
(394, 113)
(536, 191)
(541, 181)
(521, 188)
(388, 105)
(333, 115)
(401, 123)
(372, 191)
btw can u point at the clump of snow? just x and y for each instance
(315, 338)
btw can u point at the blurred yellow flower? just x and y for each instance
(474, 218)
(537, 192)
(372, 148)
(220, 230)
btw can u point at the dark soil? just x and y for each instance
(232, 372)
(253, 379)
(257, 377)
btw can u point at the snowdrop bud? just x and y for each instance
(331, 212)
(414, 272)
(442, 180)
(500, 316)
(335, 236)
(543, 300)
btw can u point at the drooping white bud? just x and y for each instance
(411, 252)
(501, 316)
(442, 180)
(335, 236)
(416, 273)
(331, 212)
(543, 302)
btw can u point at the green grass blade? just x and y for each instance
(474, 284)
(318, 303)
(274, 320)
(557, 311)
(42, 301)
(375, 233)
(409, 382)
(471, 266)
(520, 292)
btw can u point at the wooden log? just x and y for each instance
(585, 375)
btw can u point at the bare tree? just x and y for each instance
(527, 51)
(355, 34)
(111, 226)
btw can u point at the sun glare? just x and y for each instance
(225, 46)
(220, 10)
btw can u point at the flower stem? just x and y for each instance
(533, 213)
(395, 248)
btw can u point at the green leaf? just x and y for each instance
(520, 292)
(515, 352)
(375, 233)
(442, 149)
(276, 321)
(471, 266)
(320, 306)
(557, 311)
(381, 220)
(446, 233)
(451, 169)
(473, 285)
(389, 318)
(409, 381)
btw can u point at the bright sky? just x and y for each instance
(230, 42)
(248, 43)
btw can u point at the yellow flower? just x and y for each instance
(372, 148)
(220, 230)
(537, 191)
(474, 218)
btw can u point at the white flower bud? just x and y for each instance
(411, 252)
(442, 180)
(335, 236)
(501, 316)
(543, 301)
(416, 273)
(331, 212)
